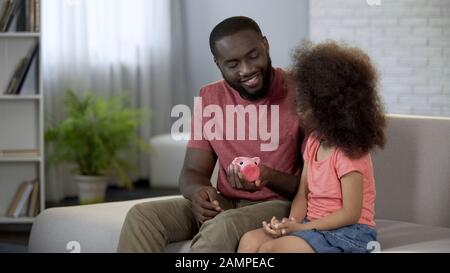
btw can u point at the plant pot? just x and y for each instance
(91, 189)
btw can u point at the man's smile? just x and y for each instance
(252, 81)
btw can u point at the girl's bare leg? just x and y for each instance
(252, 240)
(286, 244)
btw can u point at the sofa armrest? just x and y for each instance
(95, 227)
(166, 160)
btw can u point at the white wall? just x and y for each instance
(409, 41)
(284, 22)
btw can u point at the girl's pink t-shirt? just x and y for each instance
(324, 182)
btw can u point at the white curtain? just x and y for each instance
(108, 47)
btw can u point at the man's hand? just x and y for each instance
(238, 181)
(205, 204)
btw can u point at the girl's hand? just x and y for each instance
(285, 220)
(289, 226)
(269, 228)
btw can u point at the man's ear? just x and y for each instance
(266, 43)
(217, 63)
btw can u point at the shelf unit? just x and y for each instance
(21, 121)
(20, 34)
(22, 97)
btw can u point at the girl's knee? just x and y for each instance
(249, 243)
(267, 247)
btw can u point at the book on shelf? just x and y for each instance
(21, 71)
(28, 18)
(37, 15)
(5, 9)
(24, 14)
(14, 153)
(9, 10)
(21, 22)
(18, 206)
(33, 204)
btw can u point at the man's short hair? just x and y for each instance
(229, 27)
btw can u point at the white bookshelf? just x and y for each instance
(20, 220)
(20, 34)
(21, 121)
(20, 159)
(22, 97)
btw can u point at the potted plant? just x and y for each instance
(93, 137)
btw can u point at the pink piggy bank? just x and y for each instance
(248, 167)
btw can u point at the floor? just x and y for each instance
(14, 237)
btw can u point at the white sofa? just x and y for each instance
(412, 210)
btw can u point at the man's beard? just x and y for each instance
(261, 93)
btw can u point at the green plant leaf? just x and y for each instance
(94, 134)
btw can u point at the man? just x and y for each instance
(215, 219)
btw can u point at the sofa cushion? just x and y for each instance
(179, 247)
(396, 236)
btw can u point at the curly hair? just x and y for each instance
(337, 97)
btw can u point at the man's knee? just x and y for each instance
(225, 221)
(135, 212)
(131, 232)
(151, 212)
(146, 227)
(138, 214)
(220, 234)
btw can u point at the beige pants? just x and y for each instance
(150, 226)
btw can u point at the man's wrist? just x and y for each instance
(192, 191)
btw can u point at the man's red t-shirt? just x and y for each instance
(284, 156)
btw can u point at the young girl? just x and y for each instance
(338, 104)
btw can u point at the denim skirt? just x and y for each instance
(349, 239)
